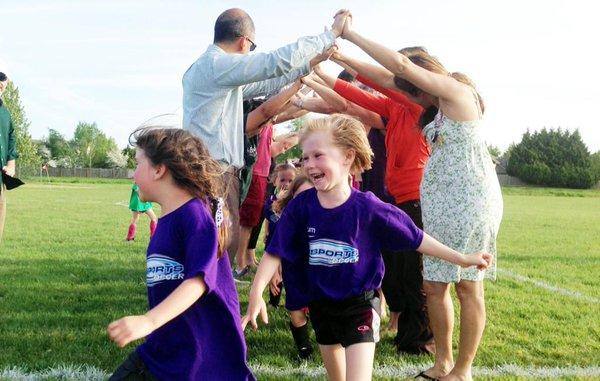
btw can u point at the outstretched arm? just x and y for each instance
(377, 74)
(430, 246)
(130, 328)
(269, 108)
(432, 83)
(368, 118)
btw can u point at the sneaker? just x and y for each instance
(242, 276)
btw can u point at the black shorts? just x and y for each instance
(346, 322)
(132, 369)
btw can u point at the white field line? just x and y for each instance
(122, 203)
(90, 373)
(549, 287)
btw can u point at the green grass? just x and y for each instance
(67, 272)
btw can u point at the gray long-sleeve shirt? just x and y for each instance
(216, 84)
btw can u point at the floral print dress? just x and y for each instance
(460, 197)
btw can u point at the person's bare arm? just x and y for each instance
(130, 328)
(377, 74)
(269, 108)
(341, 105)
(283, 143)
(456, 99)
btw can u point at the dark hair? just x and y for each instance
(346, 76)
(232, 24)
(189, 164)
(3, 77)
(431, 63)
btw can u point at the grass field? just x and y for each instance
(67, 272)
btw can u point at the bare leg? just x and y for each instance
(359, 361)
(441, 320)
(472, 324)
(334, 358)
(393, 325)
(244, 237)
(298, 318)
(135, 217)
(151, 214)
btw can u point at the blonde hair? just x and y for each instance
(348, 134)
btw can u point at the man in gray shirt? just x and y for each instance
(215, 86)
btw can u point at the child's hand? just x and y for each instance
(129, 328)
(481, 260)
(275, 281)
(255, 306)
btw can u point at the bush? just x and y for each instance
(553, 158)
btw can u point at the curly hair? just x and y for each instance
(348, 134)
(189, 164)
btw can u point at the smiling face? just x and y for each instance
(325, 164)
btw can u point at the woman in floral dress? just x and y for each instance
(461, 199)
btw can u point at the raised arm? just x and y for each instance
(242, 69)
(376, 74)
(283, 143)
(270, 108)
(368, 118)
(438, 85)
(355, 95)
(290, 111)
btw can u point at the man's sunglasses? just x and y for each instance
(252, 44)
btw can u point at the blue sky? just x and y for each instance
(119, 63)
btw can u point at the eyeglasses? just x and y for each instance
(252, 44)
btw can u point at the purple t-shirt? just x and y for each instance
(342, 246)
(271, 218)
(205, 342)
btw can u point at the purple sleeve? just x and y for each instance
(395, 230)
(288, 236)
(201, 244)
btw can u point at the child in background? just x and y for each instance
(192, 328)
(289, 273)
(138, 207)
(336, 233)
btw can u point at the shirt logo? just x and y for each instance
(160, 268)
(328, 252)
(363, 329)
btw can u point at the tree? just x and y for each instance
(552, 158)
(129, 153)
(91, 146)
(26, 148)
(57, 144)
(116, 159)
(494, 151)
(596, 166)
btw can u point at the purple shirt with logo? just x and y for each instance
(205, 342)
(342, 246)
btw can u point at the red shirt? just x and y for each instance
(407, 149)
(263, 152)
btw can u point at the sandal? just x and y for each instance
(425, 377)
